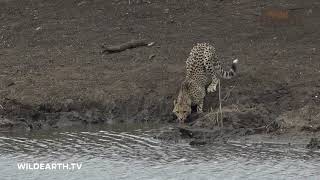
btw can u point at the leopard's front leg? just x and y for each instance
(200, 107)
(197, 93)
(213, 86)
(201, 93)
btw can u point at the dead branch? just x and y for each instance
(128, 45)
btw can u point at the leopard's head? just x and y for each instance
(182, 106)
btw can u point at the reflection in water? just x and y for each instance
(133, 154)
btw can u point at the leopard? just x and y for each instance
(203, 73)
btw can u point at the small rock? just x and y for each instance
(309, 12)
(152, 56)
(172, 21)
(5, 122)
(197, 143)
(10, 83)
(89, 114)
(151, 44)
(82, 3)
(67, 105)
(185, 132)
(314, 143)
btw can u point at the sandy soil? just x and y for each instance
(52, 73)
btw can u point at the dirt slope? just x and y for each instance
(51, 69)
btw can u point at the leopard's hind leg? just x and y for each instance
(210, 65)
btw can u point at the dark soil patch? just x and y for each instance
(52, 72)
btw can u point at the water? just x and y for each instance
(127, 152)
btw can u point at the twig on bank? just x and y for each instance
(128, 45)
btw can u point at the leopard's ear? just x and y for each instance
(174, 106)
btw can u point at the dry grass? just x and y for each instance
(218, 114)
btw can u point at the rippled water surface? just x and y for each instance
(128, 152)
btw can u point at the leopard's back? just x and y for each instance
(196, 70)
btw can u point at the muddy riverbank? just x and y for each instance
(52, 72)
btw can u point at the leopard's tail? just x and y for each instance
(230, 73)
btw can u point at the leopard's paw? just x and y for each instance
(212, 88)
